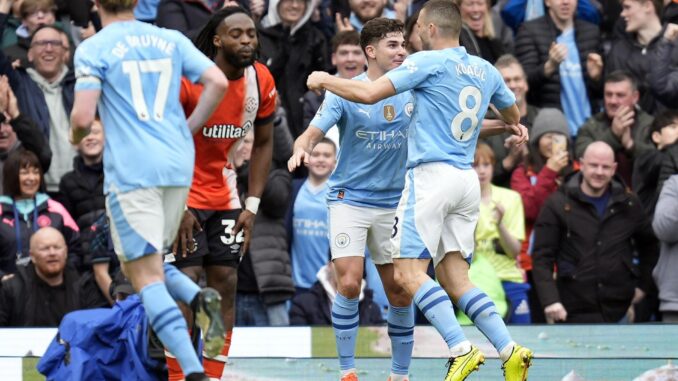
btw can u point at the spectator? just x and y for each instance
(590, 231)
(412, 39)
(561, 58)
(45, 92)
(648, 166)
(147, 10)
(292, 49)
(18, 130)
(265, 274)
(81, 191)
(536, 178)
(662, 68)
(509, 155)
(363, 11)
(482, 275)
(499, 233)
(478, 34)
(515, 12)
(44, 289)
(630, 51)
(665, 226)
(33, 15)
(10, 20)
(349, 60)
(25, 209)
(622, 124)
(315, 307)
(307, 221)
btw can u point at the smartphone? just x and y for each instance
(558, 143)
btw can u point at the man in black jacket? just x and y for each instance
(541, 52)
(43, 291)
(591, 230)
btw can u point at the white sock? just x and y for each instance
(506, 352)
(347, 371)
(460, 349)
(398, 377)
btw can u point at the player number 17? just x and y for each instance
(134, 69)
(467, 113)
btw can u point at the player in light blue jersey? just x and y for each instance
(438, 210)
(364, 192)
(133, 71)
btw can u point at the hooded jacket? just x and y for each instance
(595, 256)
(291, 54)
(14, 240)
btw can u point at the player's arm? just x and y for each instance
(303, 147)
(354, 91)
(83, 114)
(214, 87)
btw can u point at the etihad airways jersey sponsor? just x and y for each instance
(249, 101)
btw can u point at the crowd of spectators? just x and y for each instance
(578, 226)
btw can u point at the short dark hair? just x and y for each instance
(621, 76)
(17, 160)
(377, 29)
(345, 37)
(445, 15)
(664, 119)
(329, 141)
(28, 7)
(410, 24)
(204, 40)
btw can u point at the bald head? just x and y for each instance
(597, 167)
(48, 253)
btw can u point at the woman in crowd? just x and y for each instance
(24, 208)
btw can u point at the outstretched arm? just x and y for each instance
(354, 91)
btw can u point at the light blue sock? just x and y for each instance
(345, 322)
(434, 303)
(170, 326)
(481, 310)
(180, 286)
(401, 331)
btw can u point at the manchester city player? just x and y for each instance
(438, 210)
(134, 69)
(364, 193)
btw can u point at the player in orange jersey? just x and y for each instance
(214, 231)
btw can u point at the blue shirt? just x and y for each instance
(138, 68)
(371, 164)
(310, 236)
(573, 95)
(452, 91)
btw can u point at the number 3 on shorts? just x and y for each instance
(467, 113)
(228, 238)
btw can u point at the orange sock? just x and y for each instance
(214, 367)
(173, 369)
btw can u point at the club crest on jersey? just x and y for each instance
(409, 107)
(389, 112)
(342, 240)
(251, 104)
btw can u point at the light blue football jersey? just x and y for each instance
(452, 91)
(373, 138)
(138, 68)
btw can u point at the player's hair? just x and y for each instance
(204, 40)
(28, 7)
(484, 153)
(445, 15)
(664, 119)
(345, 37)
(377, 29)
(621, 76)
(117, 6)
(21, 158)
(329, 141)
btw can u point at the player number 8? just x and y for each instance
(466, 113)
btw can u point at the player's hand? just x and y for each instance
(315, 81)
(298, 156)
(520, 133)
(245, 223)
(555, 312)
(184, 239)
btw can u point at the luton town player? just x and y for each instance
(214, 232)
(438, 210)
(364, 192)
